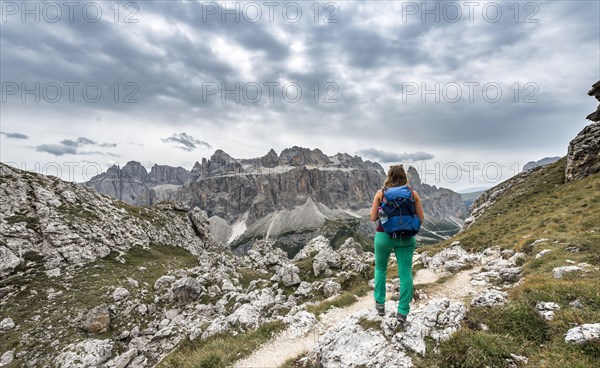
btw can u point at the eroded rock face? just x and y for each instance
(595, 92)
(67, 223)
(583, 157)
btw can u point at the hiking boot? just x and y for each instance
(380, 309)
(401, 318)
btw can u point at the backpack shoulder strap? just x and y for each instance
(383, 190)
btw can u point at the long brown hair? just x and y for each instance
(396, 177)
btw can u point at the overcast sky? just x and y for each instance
(507, 84)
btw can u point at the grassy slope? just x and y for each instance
(541, 207)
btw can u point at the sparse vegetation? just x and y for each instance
(219, 350)
(369, 324)
(35, 312)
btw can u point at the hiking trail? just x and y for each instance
(286, 345)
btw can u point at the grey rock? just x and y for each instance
(246, 316)
(120, 293)
(304, 289)
(123, 360)
(289, 275)
(97, 320)
(576, 304)
(547, 309)
(163, 282)
(8, 261)
(7, 324)
(7, 358)
(438, 319)
(349, 345)
(539, 163)
(542, 253)
(583, 157)
(490, 298)
(449, 260)
(185, 290)
(583, 333)
(559, 272)
(595, 92)
(84, 354)
(67, 223)
(331, 288)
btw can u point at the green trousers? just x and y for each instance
(403, 249)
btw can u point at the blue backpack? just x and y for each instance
(399, 206)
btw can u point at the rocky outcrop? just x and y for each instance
(351, 344)
(583, 157)
(542, 162)
(595, 92)
(67, 223)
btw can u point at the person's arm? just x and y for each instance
(419, 207)
(375, 207)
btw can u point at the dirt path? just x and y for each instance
(286, 345)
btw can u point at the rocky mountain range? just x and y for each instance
(541, 162)
(291, 197)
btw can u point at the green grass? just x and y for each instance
(543, 206)
(219, 350)
(369, 324)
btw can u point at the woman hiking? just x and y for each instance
(400, 213)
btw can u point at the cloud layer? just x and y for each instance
(342, 77)
(387, 157)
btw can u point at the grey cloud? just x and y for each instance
(385, 157)
(14, 135)
(185, 142)
(56, 149)
(71, 147)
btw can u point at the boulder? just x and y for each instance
(289, 275)
(547, 309)
(163, 281)
(331, 288)
(559, 272)
(185, 290)
(97, 320)
(8, 261)
(7, 324)
(120, 293)
(489, 298)
(584, 333)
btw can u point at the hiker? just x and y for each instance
(399, 213)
